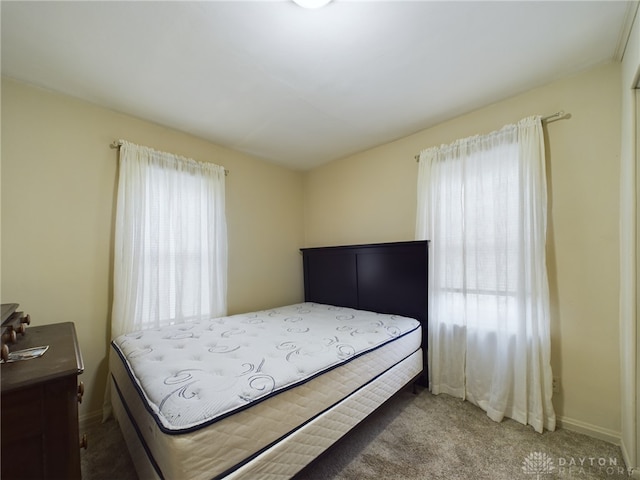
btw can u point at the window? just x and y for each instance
(170, 258)
(482, 204)
(481, 238)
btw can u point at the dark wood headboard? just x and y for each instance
(381, 277)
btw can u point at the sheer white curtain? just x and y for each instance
(482, 202)
(170, 259)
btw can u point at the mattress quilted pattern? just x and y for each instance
(194, 374)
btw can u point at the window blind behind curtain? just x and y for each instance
(482, 202)
(170, 260)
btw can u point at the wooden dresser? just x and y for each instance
(39, 409)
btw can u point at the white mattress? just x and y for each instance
(369, 343)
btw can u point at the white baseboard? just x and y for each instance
(90, 419)
(625, 453)
(605, 434)
(594, 431)
(633, 472)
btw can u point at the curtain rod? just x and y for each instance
(557, 116)
(116, 145)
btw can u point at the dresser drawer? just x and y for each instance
(21, 414)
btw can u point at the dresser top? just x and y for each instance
(63, 358)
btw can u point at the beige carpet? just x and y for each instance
(420, 437)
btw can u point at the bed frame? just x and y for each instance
(386, 278)
(381, 277)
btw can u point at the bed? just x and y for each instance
(262, 394)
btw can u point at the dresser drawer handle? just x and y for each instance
(84, 443)
(80, 392)
(26, 319)
(9, 337)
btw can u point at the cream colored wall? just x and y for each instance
(371, 196)
(58, 203)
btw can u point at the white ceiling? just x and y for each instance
(303, 87)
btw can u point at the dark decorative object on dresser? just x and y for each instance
(380, 277)
(40, 396)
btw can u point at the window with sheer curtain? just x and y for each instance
(170, 259)
(482, 202)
